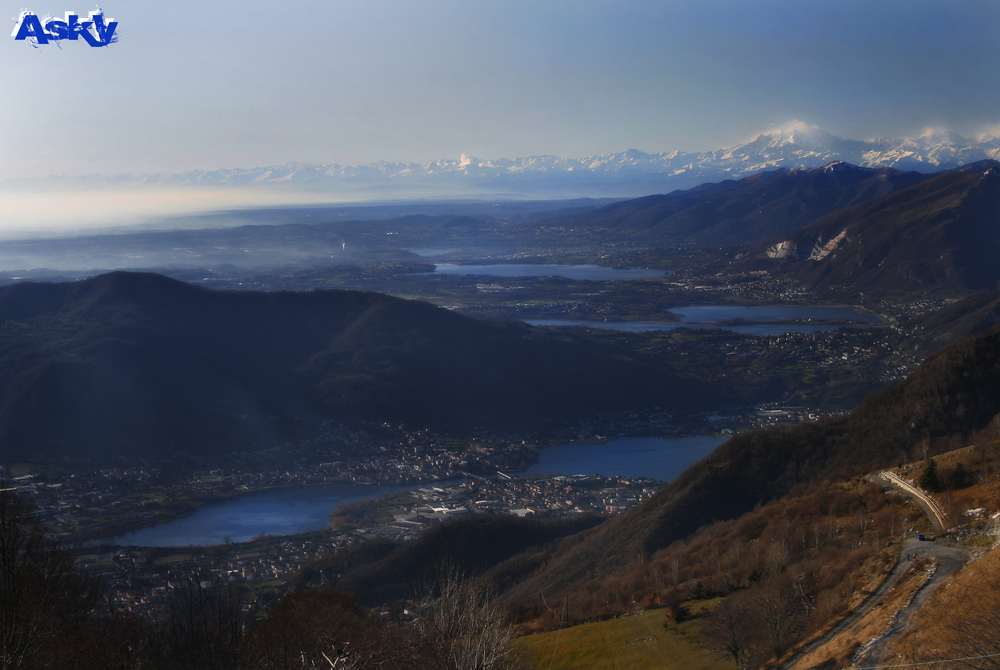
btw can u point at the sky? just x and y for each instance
(223, 84)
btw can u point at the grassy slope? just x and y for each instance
(937, 630)
(626, 643)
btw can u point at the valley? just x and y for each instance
(501, 336)
(416, 369)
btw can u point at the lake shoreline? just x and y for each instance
(191, 508)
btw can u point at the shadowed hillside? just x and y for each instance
(939, 236)
(735, 212)
(959, 320)
(381, 571)
(141, 364)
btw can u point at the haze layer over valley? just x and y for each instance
(95, 201)
(443, 346)
(500, 336)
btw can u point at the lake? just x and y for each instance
(299, 509)
(654, 457)
(283, 511)
(763, 321)
(589, 272)
(758, 329)
(768, 313)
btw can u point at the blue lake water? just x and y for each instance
(590, 272)
(300, 509)
(767, 320)
(273, 512)
(768, 313)
(758, 329)
(655, 457)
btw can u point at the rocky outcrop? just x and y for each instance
(821, 251)
(786, 249)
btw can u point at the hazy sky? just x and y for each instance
(221, 84)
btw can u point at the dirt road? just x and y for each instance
(950, 560)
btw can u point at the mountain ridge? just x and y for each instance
(630, 172)
(137, 362)
(938, 235)
(759, 206)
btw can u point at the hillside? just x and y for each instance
(736, 212)
(953, 323)
(959, 620)
(144, 365)
(939, 236)
(951, 395)
(382, 571)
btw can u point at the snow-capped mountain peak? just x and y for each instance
(626, 173)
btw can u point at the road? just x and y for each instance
(930, 508)
(950, 560)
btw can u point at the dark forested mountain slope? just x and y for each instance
(141, 364)
(953, 393)
(954, 322)
(942, 235)
(383, 571)
(736, 212)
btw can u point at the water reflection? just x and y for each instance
(589, 272)
(760, 321)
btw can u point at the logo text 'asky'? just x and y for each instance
(95, 31)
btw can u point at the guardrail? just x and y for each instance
(900, 483)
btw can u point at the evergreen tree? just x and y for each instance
(929, 479)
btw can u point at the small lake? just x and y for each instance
(283, 511)
(768, 313)
(656, 457)
(761, 321)
(758, 329)
(300, 509)
(589, 272)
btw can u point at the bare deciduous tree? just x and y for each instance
(468, 628)
(42, 597)
(732, 630)
(207, 628)
(306, 625)
(776, 603)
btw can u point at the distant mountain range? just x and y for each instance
(627, 173)
(766, 204)
(841, 229)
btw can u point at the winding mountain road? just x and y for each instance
(950, 560)
(926, 503)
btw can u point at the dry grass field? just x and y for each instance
(839, 651)
(634, 642)
(961, 619)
